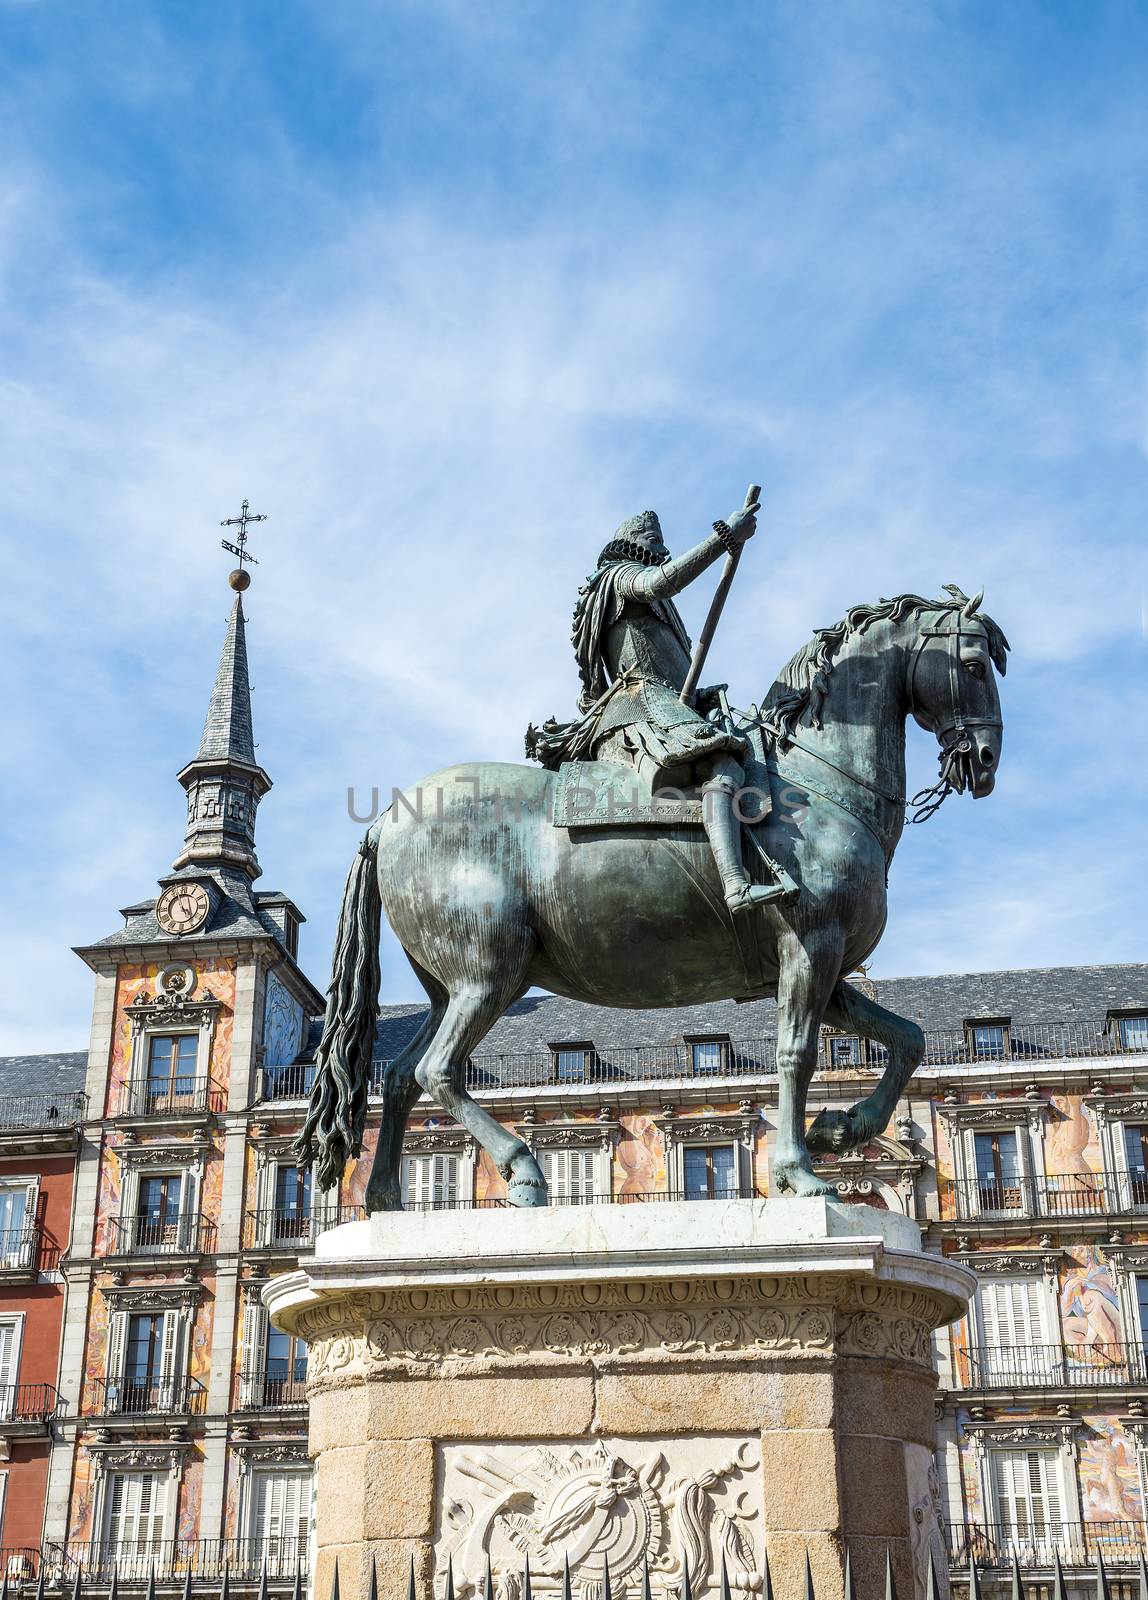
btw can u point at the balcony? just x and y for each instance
(275, 1390)
(159, 1236)
(27, 1407)
(177, 1560)
(1051, 1366)
(25, 1252)
(285, 1083)
(1057, 1195)
(1077, 1545)
(34, 1124)
(148, 1397)
(177, 1096)
(291, 1232)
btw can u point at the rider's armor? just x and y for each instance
(633, 656)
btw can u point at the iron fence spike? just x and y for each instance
(372, 1588)
(149, 1592)
(297, 1590)
(450, 1578)
(850, 1581)
(1017, 1589)
(1143, 1578)
(647, 1592)
(1057, 1575)
(334, 1580)
(890, 1581)
(687, 1586)
(724, 1590)
(488, 1581)
(411, 1579)
(766, 1578)
(974, 1580)
(40, 1581)
(567, 1592)
(225, 1586)
(186, 1584)
(114, 1591)
(809, 1594)
(262, 1593)
(527, 1587)
(1101, 1576)
(605, 1576)
(75, 1584)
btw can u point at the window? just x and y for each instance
(709, 1055)
(146, 1362)
(430, 1181)
(1013, 1347)
(1027, 1494)
(988, 1041)
(292, 1214)
(709, 1171)
(1134, 1033)
(571, 1062)
(136, 1512)
(998, 1170)
(284, 1369)
(171, 1063)
(10, 1328)
(159, 1222)
(1136, 1151)
(17, 1216)
(844, 1051)
(569, 1174)
(280, 1518)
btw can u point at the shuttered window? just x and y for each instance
(1014, 1345)
(9, 1361)
(281, 1516)
(430, 1180)
(1027, 1493)
(137, 1502)
(569, 1174)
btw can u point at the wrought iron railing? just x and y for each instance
(171, 1096)
(1053, 1366)
(291, 1230)
(138, 1397)
(159, 1236)
(285, 1083)
(134, 1561)
(1074, 1194)
(27, 1250)
(1040, 1544)
(28, 1402)
(274, 1390)
(43, 1110)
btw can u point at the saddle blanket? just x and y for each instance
(603, 794)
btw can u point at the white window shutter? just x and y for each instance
(173, 1359)
(253, 1358)
(9, 1356)
(117, 1330)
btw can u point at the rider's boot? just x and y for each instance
(723, 830)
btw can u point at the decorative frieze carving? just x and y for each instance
(740, 1125)
(269, 1453)
(136, 1458)
(153, 1297)
(597, 1135)
(173, 1009)
(662, 1503)
(998, 1263)
(440, 1141)
(995, 1114)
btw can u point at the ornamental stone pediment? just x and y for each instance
(451, 1140)
(995, 1114)
(740, 1125)
(173, 1010)
(153, 1297)
(1012, 1263)
(597, 1135)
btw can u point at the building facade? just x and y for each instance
(165, 1192)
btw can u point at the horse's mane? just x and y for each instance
(803, 682)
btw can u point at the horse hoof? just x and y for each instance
(525, 1185)
(802, 1182)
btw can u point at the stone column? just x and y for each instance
(677, 1381)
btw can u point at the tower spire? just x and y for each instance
(224, 782)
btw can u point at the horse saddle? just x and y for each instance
(605, 794)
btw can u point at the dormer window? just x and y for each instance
(987, 1038)
(1131, 1029)
(844, 1050)
(709, 1055)
(571, 1061)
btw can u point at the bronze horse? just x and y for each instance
(489, 899)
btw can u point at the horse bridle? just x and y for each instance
(954, 735)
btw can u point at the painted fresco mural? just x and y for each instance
(282, 1025)
(216, 973)
(1109, 1474)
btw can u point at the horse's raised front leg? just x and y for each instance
(854, 1012)
(810, 964)
(473, 1009)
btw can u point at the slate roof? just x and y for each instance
(1082, 995)
(227, 733)
(43, 1075)
(237, 915)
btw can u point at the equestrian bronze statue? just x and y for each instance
(669, 851)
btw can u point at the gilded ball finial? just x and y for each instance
(239, 580)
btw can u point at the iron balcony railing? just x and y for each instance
(28, 1402)
(26, 1250)
(167, 1097)
(293, 1230)
(276, 1388)
(1056, 1195)
(1052, 1366)
(1039, 1544)
(140, 1397)
(135, 1560)
(285, 1083)
(43, 1110)
(159, 1236)
(751, 1058)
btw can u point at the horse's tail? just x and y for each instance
(333, 1131)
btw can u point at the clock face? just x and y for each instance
(182, 907)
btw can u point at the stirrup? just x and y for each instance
(751, 895)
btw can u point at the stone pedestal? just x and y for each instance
(678, 1381)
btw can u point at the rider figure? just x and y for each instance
(633, 655)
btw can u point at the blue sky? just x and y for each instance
(448, 289)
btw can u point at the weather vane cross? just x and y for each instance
(240, 579)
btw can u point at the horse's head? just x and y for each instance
(952, 690)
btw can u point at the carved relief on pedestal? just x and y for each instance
(926, 1521)
(622, 1501)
